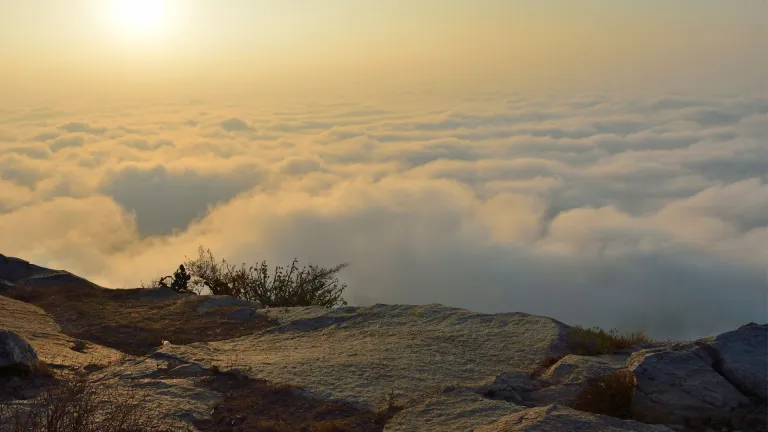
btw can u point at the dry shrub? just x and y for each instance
(289, 286)
(596, 341)
(75, 403)
(609, 395)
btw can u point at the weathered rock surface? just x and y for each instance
(166, 386)
(479, 363)
(679, 385)
(16, 353)
(567, 378)
(42, 332)
(514, 386)
(557, 418)
(362, 354)
(743, 358)
(449, 410)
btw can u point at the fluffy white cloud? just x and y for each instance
(646, 214)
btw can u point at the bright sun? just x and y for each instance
(140, 17)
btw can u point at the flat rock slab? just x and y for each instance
(362, 354)
(743, 358)
(557, 418)
(171, 392)
(457, 410)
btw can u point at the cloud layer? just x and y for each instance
(638, 214)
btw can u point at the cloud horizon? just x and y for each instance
(642, 214)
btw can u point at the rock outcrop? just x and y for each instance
(679, 385)
(742, 359)
(362, 354)
(16, 354)
(451, 369)
(567, 378)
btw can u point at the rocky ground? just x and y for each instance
(233, 365)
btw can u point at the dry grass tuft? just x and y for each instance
(609, 395)
(75, 403)
(596, 341)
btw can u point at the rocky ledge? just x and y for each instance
(426, 368)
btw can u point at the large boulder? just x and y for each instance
(678, 384)
(557, 418)
(16, 354)
(743, 359)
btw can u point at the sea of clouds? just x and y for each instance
(643, 213)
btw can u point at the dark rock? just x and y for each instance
(16, 354)
(679, 385)
(743, 359)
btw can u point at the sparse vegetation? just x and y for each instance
(75, 403)
(284, 287)
(609, 395)
(596, 341)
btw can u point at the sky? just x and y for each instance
(600, 162)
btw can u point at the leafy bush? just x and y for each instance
(596, 341)
(284, 287)
(78, 404)
(609, 395)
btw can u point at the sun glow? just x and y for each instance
(140, 18)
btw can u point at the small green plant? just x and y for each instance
(609, 395)
(596, 341)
